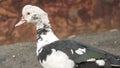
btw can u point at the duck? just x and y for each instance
(53, 52)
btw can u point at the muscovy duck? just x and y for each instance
(55, 53)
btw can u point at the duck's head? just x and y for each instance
(34, 15)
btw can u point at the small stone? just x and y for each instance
(13, 56)
(115, 42)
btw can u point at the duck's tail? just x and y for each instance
(114, 61)
(111, 61)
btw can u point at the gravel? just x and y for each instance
(23, 55)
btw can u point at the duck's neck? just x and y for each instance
(45, 36)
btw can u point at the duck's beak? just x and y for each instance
(22, 21)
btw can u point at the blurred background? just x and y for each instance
(67, 17)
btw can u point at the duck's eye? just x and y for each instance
(28, 13)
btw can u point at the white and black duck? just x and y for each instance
(55, 53)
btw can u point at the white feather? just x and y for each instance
(58, 59)
(100, 62)
(80, 51)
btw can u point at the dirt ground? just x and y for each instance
(23, 55)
